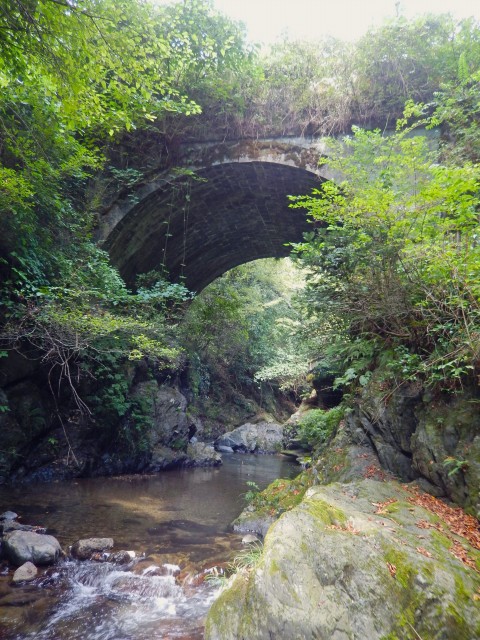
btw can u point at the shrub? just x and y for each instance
(317, 426)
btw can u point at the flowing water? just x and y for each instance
(178, 524)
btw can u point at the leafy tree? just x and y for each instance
(244, 326)
(409, 60)
(395, 260)
(75, 77)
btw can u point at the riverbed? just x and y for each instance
(178, 524)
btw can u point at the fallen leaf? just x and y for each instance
(460, 523)
(424, 552)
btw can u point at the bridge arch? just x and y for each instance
(231, 211)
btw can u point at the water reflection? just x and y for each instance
(181, 517)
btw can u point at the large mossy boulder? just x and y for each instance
(353, 562)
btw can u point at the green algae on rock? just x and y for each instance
(339, 567)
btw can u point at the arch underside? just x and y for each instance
(200, 228)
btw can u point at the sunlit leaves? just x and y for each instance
(396, 255)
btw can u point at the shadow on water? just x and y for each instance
(179, 518)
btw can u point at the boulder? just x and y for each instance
(263, 437)
(28, 546)
(353, 561)
(86, 548)
(201, 454)
(12, 525)
(253, 521)
(165, 458)
(25, 573)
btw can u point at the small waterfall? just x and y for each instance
(103, 601)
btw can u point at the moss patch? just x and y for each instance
(281, 495)
(325, 512)
(405, 572)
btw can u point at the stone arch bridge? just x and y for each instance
(227, 205)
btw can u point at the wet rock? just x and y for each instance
(28, 546)
(11, 525)
(86, 548)
(351, 562)
(253, 522)
(121, 557)
(201, 454)
(8, 515)
(263, 437)
(135, 587)
(221, 448)
(249, 539)
(25, 573)
(18, 598)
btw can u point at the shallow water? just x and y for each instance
(176, 518)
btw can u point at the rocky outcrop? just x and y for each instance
(165, 407)
(417, 436)
(163, 458)
(27, 546)
(354, 561)
(446, 448)
(263, 437)
(388, 426)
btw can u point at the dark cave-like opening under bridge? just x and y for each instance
(229, 207)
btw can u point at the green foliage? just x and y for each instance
(317, 426)
(244, 325)
(396, 260)
(252, 492)
(322, 88)
(454, 465)
(458, 111)
(74, 79)
(395, 264)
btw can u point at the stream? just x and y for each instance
(178, 524)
